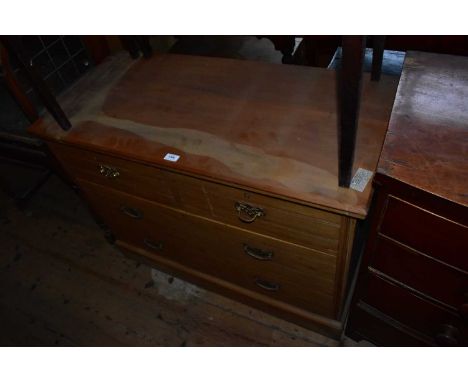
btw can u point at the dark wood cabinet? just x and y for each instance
(412, 287)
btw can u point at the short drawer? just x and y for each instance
(302, 225)
(426, 232)
(435, 279)
(298, 224)
(442, 325)
(293, 274)
(145, 181)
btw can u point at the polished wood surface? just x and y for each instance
(252, 207)
(410, 276)
(427, 142)
(269, 127)
(314, 245)
(420, 272)
(297, 276)
(414, 311)
(313, 228)
(413, 278)
(426, 232)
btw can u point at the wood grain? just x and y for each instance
(411, 309)
(302, 225)
(424, 231)
(81, 291)
(269, 127)
(413, 275)
(306, 277)
(427, 142)
(421, 272)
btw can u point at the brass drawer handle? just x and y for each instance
(259, 254)
(154, 245)
(108, 171)
(132, 212)
(248, 213)
(267, 285)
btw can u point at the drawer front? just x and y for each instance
(369, 324)
(422, 273)
(426, 232)
(305, 226)
(443, 326)
(293, 274)
(144, 181)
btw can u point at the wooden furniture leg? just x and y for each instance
(144, 45)
(14, 87)
(349, 96)
(130, 45)
(14, 46)
(136, 44)
(378, 43)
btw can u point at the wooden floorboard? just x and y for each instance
(62, 284)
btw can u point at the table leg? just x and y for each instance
(378, 43)
(349, 97)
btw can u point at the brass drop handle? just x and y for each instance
(256, 253)
(132, 212)
(154, 245)
(108, 171)
(248, 213)
(448, 336)
(267, 285)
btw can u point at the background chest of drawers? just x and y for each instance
(413, 283)
(251, 206)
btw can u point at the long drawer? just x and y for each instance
(296, 275)
(443, 326)
(306, 226)
(432, 234)
(437, 280)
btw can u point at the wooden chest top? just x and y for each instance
(268, 127)
(427, 140)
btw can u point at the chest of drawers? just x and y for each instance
(248, 203)
(413, 283)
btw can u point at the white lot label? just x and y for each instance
(172, 157)
(360, 179)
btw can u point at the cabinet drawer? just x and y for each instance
(426, 232)
(293, 274)
(424, 274)
(145, 181)
(289, 221)
(414, 311)
(302, 225)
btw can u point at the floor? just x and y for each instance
(62, 283)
